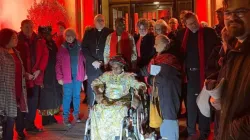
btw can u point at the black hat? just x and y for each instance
(45, 29)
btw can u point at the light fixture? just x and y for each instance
(156, 2)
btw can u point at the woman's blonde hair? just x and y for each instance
(71, 32)
(163, 24)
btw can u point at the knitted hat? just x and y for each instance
(117, 59)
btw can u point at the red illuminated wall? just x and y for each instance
(162, 13)
(88, 11)
(201, 10)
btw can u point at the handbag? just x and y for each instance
(155, 119)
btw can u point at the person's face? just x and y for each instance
(220, 17)
(60, 29)
(158, 29)
(116, 68)
(99, 23)
(27, 29)
(69, 38)
(236, 18)
(142, 30)
(151, 28)
(120, 27)
(192, 24)
(13, 41)
(173, 24)
(159, 45)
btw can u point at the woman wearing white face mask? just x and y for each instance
(70, 72)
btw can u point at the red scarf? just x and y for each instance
(165, 58)
(126, 48)
(138, 47)
(201, 51)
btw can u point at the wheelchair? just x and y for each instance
(132, 125)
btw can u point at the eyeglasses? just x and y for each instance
(142, 29)
(100, 20)
(239, 13)
(158, 30)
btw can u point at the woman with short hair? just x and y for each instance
(13, 92)
(70, 73)
(144, 43)
(161, 27)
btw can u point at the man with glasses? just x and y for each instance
(197, 44)
(220, 17)
(173, 23)
(93, 44)
(235, 98)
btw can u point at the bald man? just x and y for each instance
(93, 44)
(173, 23)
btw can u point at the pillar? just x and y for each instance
(201, 9)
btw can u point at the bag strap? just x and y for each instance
(155, 98)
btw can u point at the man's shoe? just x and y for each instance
(76, 120)
(66, 123)
(21, 136)
(34, 129)
(192, 137)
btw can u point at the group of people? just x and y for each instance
(39, 71)
(169, 61)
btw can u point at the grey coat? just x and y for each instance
(7, 85)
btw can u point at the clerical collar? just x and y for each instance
(99, 30)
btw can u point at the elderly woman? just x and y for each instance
(13, 93)
(70, 72)
(112, 104)
(161, 27)
(166, 86)
(144, 43)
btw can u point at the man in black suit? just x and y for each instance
(93, 44)
(198, 45)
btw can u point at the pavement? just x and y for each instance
(60, 132)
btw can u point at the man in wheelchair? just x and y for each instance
(113, 96)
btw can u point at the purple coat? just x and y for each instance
(63, 68)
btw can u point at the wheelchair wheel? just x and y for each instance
(86, 137)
